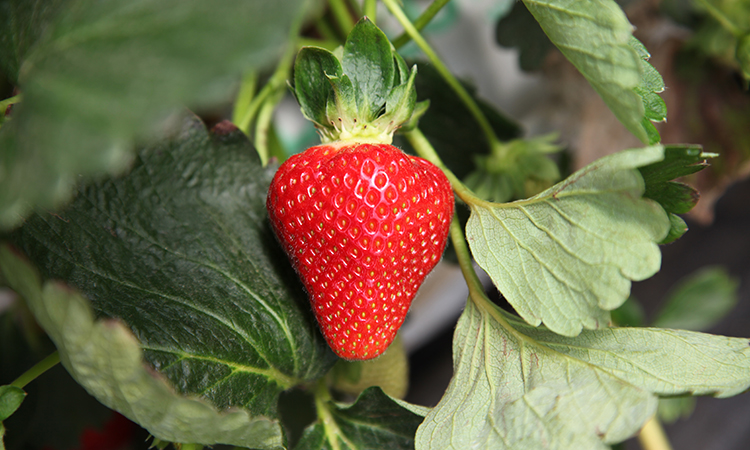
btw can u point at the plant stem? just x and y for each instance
(653, 437)
(469, 102)
(332, 431)
(39, 368)
(245, 96)
(265, 115)
(371, 10)
(421, 21)
(342, 16)
(720, 17)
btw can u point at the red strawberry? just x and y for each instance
(363, 224)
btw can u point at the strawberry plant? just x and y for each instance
(204, 284)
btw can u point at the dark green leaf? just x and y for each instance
(700, 301)
(312, 68)
(375, 422)
(106, 73)
(520, 30)
(182, 252)
(22, 23)
(368, 61)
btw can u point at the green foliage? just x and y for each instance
(374, 421)
(566, 256)
(176, 307)
(93, 91)
(517, 386)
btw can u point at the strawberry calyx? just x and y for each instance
(362, 92)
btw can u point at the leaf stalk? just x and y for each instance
(653, 437)
(424, 149)
(422, 21)
(38, 369)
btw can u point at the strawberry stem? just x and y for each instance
(422, 21)
(39, 368)
(469, 102)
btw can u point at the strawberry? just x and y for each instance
(362, 222)
(363, 225)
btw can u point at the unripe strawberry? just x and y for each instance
(363, 224)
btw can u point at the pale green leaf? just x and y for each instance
(566, 256)
(519, 387)
(105, 357)
(594, 36)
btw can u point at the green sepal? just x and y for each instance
(311, 86)
(368, 61)
(363, 91)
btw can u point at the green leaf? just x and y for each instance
(22, 23)
(105, 74)
(566, 256)
(520, 387)
(595, 37)
(674, 197)
(11, 398)
(368, 61)
(105, 357)
(182, 252)
(375, 421)
(699, 302)
(520, 30)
